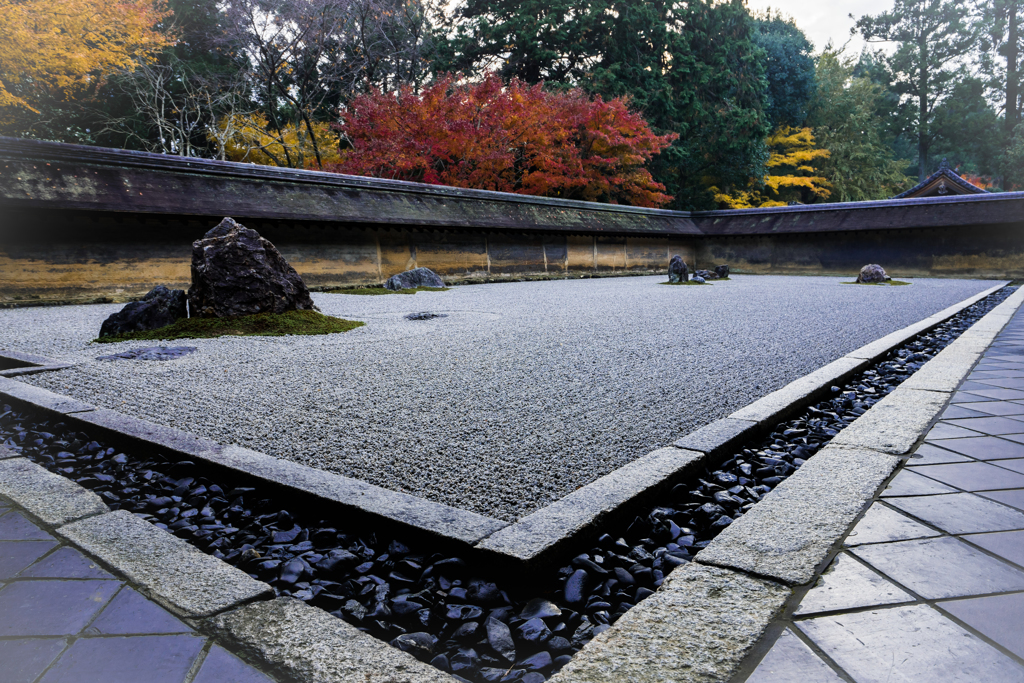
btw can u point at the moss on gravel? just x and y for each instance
(377, 291)
(890, 283)
(261, 324)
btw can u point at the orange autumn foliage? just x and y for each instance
(508, 137)
(61, 47)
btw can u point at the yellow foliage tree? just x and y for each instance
(61, 47)
(792, 174)
(249, 138)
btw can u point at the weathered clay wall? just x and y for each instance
(977, 251)
(80, 223)
(80, 256)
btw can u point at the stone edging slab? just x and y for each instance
(27, 364)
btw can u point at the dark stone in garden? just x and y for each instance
(539, 607)
(541, 660)
(872, 273)
(705, 274)
(698, 279)
(425, 316)
(533, 631)
(722, 271)
(677, 270)
(159, 308)
(411, 279)
(500, 638)
(576, 586)
(151, 353)
(337, 560)
(418, 644)
(236, 272)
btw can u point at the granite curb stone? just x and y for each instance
(308, 644)
(50, 497)
(543, 531)
(792, 530)
(777, 405)
(696, 628)
(894, 424)
(421, 514)
(169, 570)
(6, 453)
(718, 437)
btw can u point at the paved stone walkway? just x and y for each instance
(929, 585)
(64, 619)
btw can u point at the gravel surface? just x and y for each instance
(523, 393)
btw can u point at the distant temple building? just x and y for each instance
(943, 183)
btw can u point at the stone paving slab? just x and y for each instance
(696, 628)
(65, 619)
(947, 535)
(167, 568)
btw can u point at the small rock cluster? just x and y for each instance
(679, 273)
(234, 272)
(430, 603)
(411, 279)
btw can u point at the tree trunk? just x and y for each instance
(1012, 77)
(922, 123)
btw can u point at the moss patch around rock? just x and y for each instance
(377, 291)
(261, 324)
(890, 283)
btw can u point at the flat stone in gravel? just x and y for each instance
(524, 393)
(50, 497)
(696, 628)
(311, 645)
(169, 570)
(791, 531)
(894, 424)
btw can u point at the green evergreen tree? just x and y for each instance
(932, 37)
(789, 69)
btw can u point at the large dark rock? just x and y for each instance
(677, 270)
(237, 272)
(411, 279)
(872, 273)
(159, 308)
(705, 274)
(722, 271)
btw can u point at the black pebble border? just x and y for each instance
(434, 605)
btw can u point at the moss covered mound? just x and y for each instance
(376, 291)
(261, 324)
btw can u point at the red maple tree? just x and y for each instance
(508, 137)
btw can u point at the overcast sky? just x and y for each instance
(822, 20)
